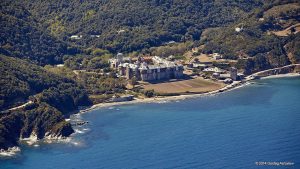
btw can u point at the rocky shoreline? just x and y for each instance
(286, 71)
(293, 68)
(32, 141)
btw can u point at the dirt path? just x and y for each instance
(287, 31)
(21, 106)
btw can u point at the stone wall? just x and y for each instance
(295, 68)
(153, 74)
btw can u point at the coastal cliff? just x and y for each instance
(35, 102)
(37, 120)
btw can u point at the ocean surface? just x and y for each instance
(256, 126)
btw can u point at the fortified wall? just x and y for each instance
(294, 68)
(160, 69)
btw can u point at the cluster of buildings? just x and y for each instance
(208, 66)
(220, 74)
(156, 68)
(147, 70)
(228, 77)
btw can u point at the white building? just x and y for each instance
(120, 31)
(217, 56)
(213, 70)
(95, 36)
(115, 62)
(76, 37)
(237, 29)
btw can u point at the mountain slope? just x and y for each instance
(20, 79)
(53, 97)
(22, 37)
(129, 25)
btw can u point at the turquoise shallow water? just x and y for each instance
(256, 123)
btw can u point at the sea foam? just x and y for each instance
(12, 151)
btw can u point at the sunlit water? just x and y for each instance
(256, 123)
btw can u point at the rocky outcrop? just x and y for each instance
(36, 121)
(10, 128)
(62, 129)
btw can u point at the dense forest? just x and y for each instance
(122, 25)
(23, 36)
(41, 30)
(52, 96)
(20, 79)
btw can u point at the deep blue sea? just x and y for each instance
(256, 123)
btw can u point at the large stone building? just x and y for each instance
(232, 74)
(115, 62)
(159, 69)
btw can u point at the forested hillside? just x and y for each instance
(37, 120)
(261, 41)
(42, 30)
(129, 25)
(20, 79)
(23, 36)
(52, 96)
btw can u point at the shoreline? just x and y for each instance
(230, 87)
(160, 99)
(281, 76)
(12, 151)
